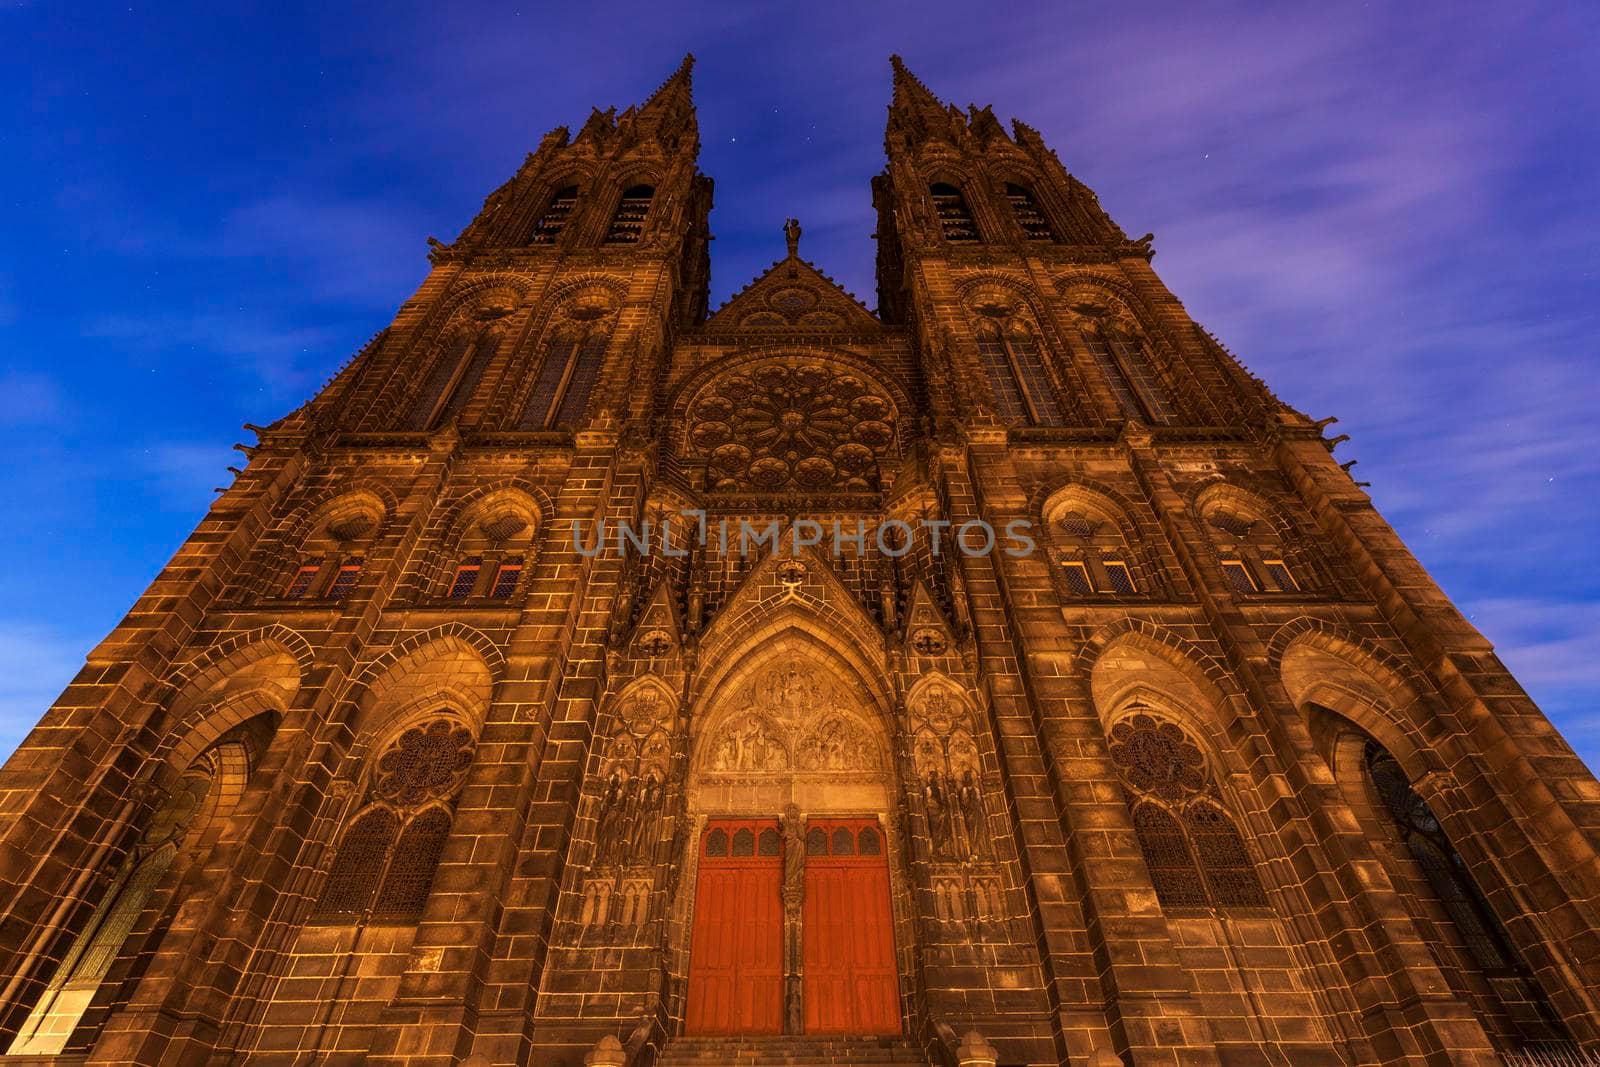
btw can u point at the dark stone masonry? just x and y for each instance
(389, 767)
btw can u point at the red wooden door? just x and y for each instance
(851, 982)
(736, 952)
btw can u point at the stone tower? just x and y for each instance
(1005, 676)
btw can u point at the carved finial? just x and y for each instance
(791, 234)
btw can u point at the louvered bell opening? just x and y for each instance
(1034, 225)
(627, 225)
(954, 218)
(554, 219)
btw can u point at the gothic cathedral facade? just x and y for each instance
(462, 731)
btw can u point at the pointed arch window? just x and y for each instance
(1092, 556)
(175, 835)
(555, 216)
(1125, 364)
(1413, 822)
(627, 224)
(561, 391)
(1014, 366)
(452, 381)
(1191, 846)
(1249, 550)
(1035, 227)
(332, 556)
(386, 861)
(955, 218)
(489, 552)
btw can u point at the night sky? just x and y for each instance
(1389, 212)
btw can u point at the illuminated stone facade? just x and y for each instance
(388, 766)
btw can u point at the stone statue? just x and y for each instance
(791, 234)
(938, 817)
(970, 798)
(794, 870)
(794, 853)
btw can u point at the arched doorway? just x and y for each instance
(791, 791)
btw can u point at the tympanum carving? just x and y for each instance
(791, 716)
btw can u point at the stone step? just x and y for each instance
(832, 1051)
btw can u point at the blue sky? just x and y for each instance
(1390, 212)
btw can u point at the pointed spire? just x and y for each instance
(914, 112)
(676, 89)
(909, 90)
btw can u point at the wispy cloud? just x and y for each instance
(28, 397)
(186, 473)
(285, 357)
(36, 663)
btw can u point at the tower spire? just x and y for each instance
(915, 113)
(909, 91)
(677, 89)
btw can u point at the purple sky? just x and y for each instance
(1388, 211)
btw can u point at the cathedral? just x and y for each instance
(999, 677)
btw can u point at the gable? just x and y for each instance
(792, 294)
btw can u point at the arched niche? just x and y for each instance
(792, 723)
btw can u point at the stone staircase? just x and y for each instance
(786, 1051)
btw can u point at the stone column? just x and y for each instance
(794, 873)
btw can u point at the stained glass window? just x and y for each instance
(1240, 580)
(548, 386)
(1076, 574)
(1118, 575)
(466, 578)
(300, 585)
(1223, 857)
(1009, 404)
(345, 580)
(443, 372)
(461, 392)
(1130, 352)
(1116, 379)
(1166, 852)
(584, 374)
(1191, 846)
(411, 868)
(505, 579)
(358, 867)
(1441, 864)
(387, 858)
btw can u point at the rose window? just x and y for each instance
(427, 762)
(778, 427)
(1156, 758)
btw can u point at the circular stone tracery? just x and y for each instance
(426, 763)
(783, 426)
(1156, 757)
